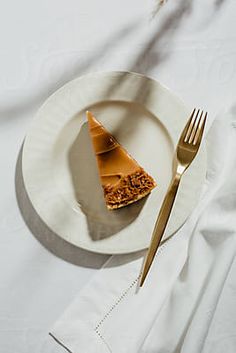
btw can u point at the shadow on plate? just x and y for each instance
(45, 235)
(102, 223)
(51, 241)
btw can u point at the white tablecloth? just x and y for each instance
(188, 46)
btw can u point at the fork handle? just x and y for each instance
(165, 211)
(161, 224)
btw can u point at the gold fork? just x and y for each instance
(186, 150)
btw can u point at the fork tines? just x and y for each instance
(195, 127)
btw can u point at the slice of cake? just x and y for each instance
(123, 180)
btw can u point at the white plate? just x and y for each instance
(60, 172)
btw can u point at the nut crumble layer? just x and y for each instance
(129, 189)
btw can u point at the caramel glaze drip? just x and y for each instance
(113, 161)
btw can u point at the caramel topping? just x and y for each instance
(103, 143)
(113, 160)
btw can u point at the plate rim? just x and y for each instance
(35, 117)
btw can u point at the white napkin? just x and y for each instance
(175, 310)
